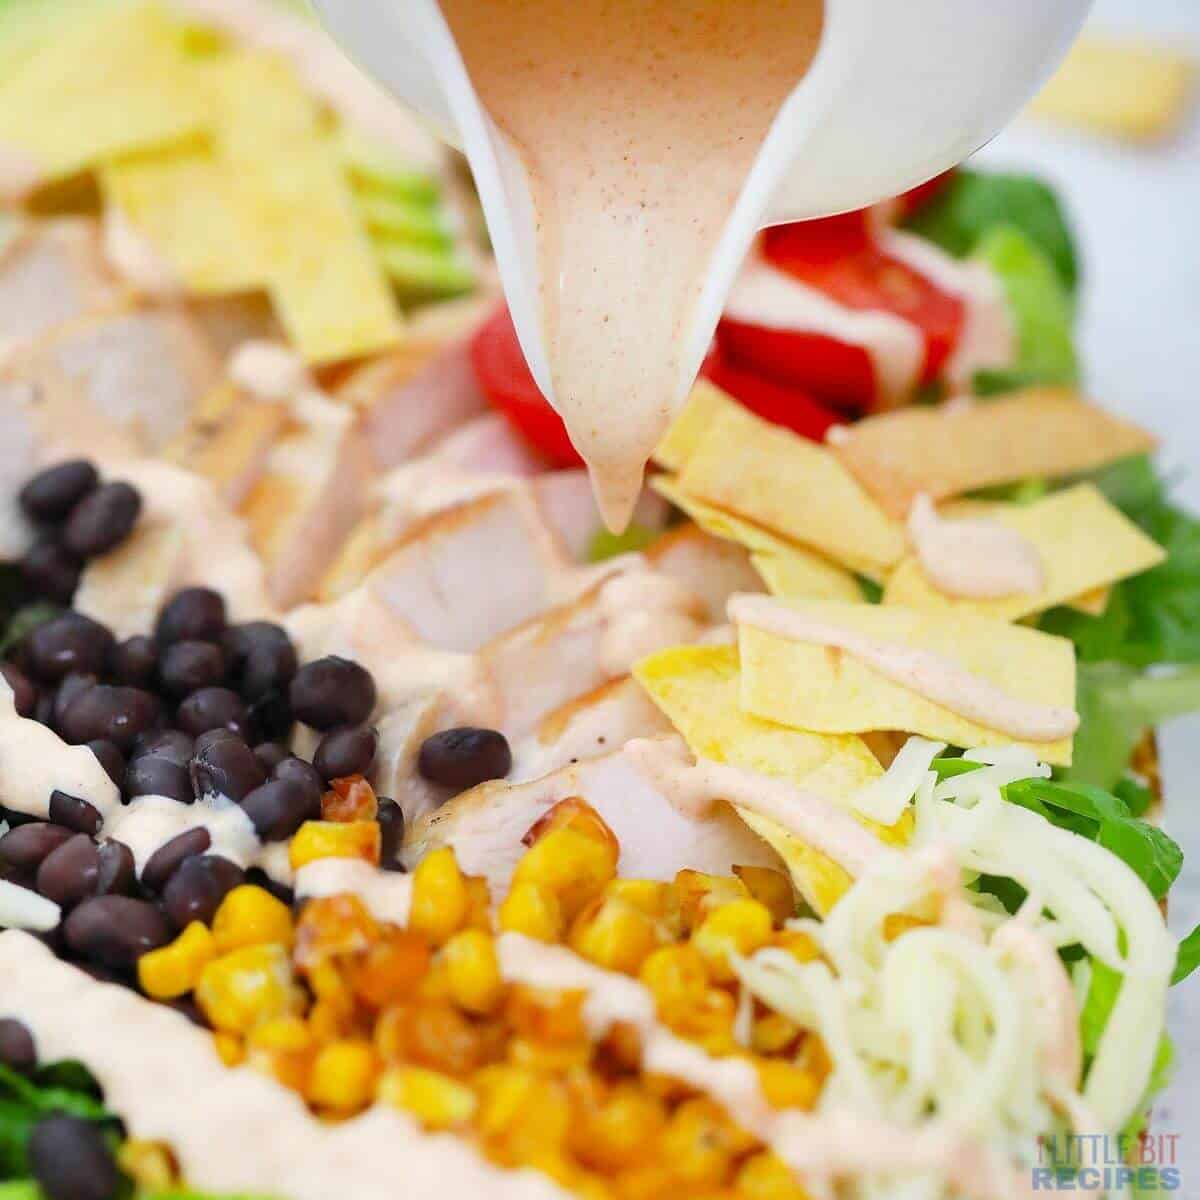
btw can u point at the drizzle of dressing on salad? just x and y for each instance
(638, 124)
(974, 559)
(694, 788)
(387, 895)
(937, 678)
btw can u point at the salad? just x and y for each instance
(375, 822)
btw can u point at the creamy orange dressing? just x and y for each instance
(638, 124)
(975, 559)
(937, 678)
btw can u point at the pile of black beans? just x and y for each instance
(201, 707)
(70, 1158)
(78, 517)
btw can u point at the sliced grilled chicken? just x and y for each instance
(142, 371)
(461, 577)
(311, 494)
(485, 825)
(52, 272)
(714, 570)
(185, 536)
(597, 723)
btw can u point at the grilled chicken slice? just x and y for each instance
(485, 825)
(185, 537)
(714, 570)
(52, 272)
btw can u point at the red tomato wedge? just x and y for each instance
(839, 257)
(509, 387)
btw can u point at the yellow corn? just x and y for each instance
(174, 969)
(787, 1086)
(335, 839)
(797, 943)
(698, 894)
(678, 978)
(548, 1058)
(651, 896)
(251, 916)
(773, 1033)
(896, 924)
(473, 971)
(614, 935)
(772, 888)
(617, 1130)
(441, 900)
(480, 914)
(572, 866)
(533, 911)
(765, 1176)
(343, 1076)
(230, 1048)
(239, 990)
(700, 1143)
(149, 1164)
(739, 927)
(438, 1101)
(289, 1035)
(521, 1114)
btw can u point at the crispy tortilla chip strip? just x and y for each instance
(1040, 432)
(697, 688)
(1083, 541)
(690, 426)
(1093, 603)
(840, 694)
(1125, 89)
(110, 82)
(802, 575)
(793, 488)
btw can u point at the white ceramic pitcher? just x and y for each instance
(899, 91)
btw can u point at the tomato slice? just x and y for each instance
(845, 263)
(509, 386)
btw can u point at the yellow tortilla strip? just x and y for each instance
(1120, 88)
(1084, 543)
(815, 688)
(1040, 432)
(697, 688)
(690, 426)
(792, 487)
(802, 575)
(1093, 603)
(110, 82)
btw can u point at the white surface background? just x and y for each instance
(1137, 214)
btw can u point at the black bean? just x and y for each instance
(71, 1160)
(304, 773)
(259, 878)
(280, 807)
(51, 571)
(343, 752)
(114, 714)
(226, 767)
(115, 931)
(271, 716)
(195, 891)
(173, 744)
(270, 754)
(332, 691)
(134, 661)
(17, 1049)
(71, 686)
(51, 494)
(464, 757)
(268, 668)
(196, 614)
(189, 666)
(68, 643)
(68, 875)
(118, 871)
(25, 694)
(239, 640)
(103, 520)
(391, 829)
(167, 859)
(44, 714)
(25, 847)
(153, 775)
(74, 813)
(111, 759)
(212, 708)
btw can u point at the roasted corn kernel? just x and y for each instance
(438, 1101)
(613, 934)
(149, 1164)
(239, 990)
(678, 978)
(251, 916)
(739, 927)
(230, 1048)
(534, 911)
(333, 927)
(701, 1143)
(473, 971)
(521, 1114)
(343, 1076)
(391, 968)
(615, 1127)
(786, 1085)
(772, 888)
(335, 839)
(441, 901)
(698, 894)
(765, 1176)
(174, 969)
(349, 799)
(571, 866)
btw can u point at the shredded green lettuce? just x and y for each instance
(605, 545)
(1188, 958)
(1041, 309)
(974, 203)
